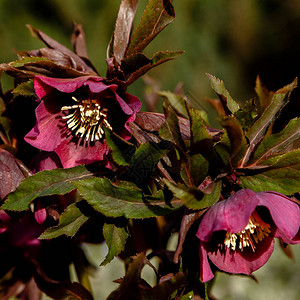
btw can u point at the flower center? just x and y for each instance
(87, 120)
(255, 231)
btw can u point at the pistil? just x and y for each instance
(87, 120)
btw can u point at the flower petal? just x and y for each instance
(242, 262)
(231, 215)
(45, 135)
(72, 154)
(284, 212)
(43, 85)
(206, 273)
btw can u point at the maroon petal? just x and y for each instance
(43, 85)
(231, 215)
(46, 161)
(242, 262)
(284, 212)
(72, 154)
(45, 135)
(133, 101)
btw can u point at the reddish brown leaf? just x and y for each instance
(78, 41)
(78, 63)
(123, 28)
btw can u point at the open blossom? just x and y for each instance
(237, 234)
(72, 117)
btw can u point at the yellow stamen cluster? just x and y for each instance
(87, 120)
(255, 230)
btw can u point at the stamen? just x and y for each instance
(255, 230)
(87, 120)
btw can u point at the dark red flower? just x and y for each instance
(73, 114)
(237, 234)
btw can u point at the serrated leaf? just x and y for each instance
(176, 102)
(281, 174)
(223, 149)
(117, 201)
(257, 131)
(138, 64)
(198, 168)
(28, 61)
(122, 150)
(194, 198)
(69, 223)
(25, 89)
(145, 160)
(277, 142)
(157, 15)
(229, 105)
(115, 238)
(45, 183)
(247, 115)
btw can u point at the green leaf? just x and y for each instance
(117, 201)
(25, 89)
(259, 128)
(194, 198)
(198, 168)
(28, 61)
(223, 149)
(45, 183)
(121, 150)
(145, 160)
(115, 238)
(138, 64)
(277, 142)
(176, 101)
(69, 223)
(281, 174)
(247, 115)
(157, 15)
(201, 142)
(218, 86)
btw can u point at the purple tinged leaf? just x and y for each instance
(115, 238)
(157, 15)
(70, 222)
(123, 28)
(259, 128)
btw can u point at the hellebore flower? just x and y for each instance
(237, 234)
(73, 114)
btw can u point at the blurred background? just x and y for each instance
(231, 39)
